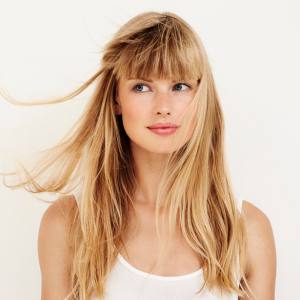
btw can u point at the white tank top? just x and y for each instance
(129, 283)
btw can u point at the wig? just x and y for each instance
(93, 163)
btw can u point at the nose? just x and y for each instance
(162, 104)
(163, 113)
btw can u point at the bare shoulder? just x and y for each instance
(261, 252)
(53, 248)
(257, 222)
(58, 215)
(55, 220)
(61, 207)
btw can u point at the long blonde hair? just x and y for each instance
(95, 155)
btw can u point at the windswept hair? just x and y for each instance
(95, 158)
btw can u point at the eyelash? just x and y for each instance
(140, 83)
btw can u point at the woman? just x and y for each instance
(154, 215)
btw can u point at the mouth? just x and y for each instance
(163, 130)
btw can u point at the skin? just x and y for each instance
(158, 102)
(143, 103)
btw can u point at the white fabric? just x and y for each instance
(128, 283)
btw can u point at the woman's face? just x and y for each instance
(144, 103)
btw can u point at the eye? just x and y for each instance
(137, 87)
(180, 83)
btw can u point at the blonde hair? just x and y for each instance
(95, 155)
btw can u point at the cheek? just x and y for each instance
(135, 119)
(133, 113)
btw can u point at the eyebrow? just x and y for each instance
(146, 79)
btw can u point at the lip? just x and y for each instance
(163, 131)
(162, 125)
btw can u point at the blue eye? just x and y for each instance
(137, 85)
(177, 84)
(142, 84)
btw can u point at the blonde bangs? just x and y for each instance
(160, 51)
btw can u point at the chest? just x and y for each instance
(142, 247)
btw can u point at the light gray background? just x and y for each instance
(50, 47)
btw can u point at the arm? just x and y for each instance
(53, 251)
(261, 254)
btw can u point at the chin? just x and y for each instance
(160, 148)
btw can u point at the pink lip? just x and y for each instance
(163, 131)
(162, 125)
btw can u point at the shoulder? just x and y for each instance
(256, 220)
(53, 247)
(58, 212)
(57, 217)
(261, 252)
(54, 223)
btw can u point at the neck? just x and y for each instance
(148, 167)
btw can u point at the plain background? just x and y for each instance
(49, 48)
